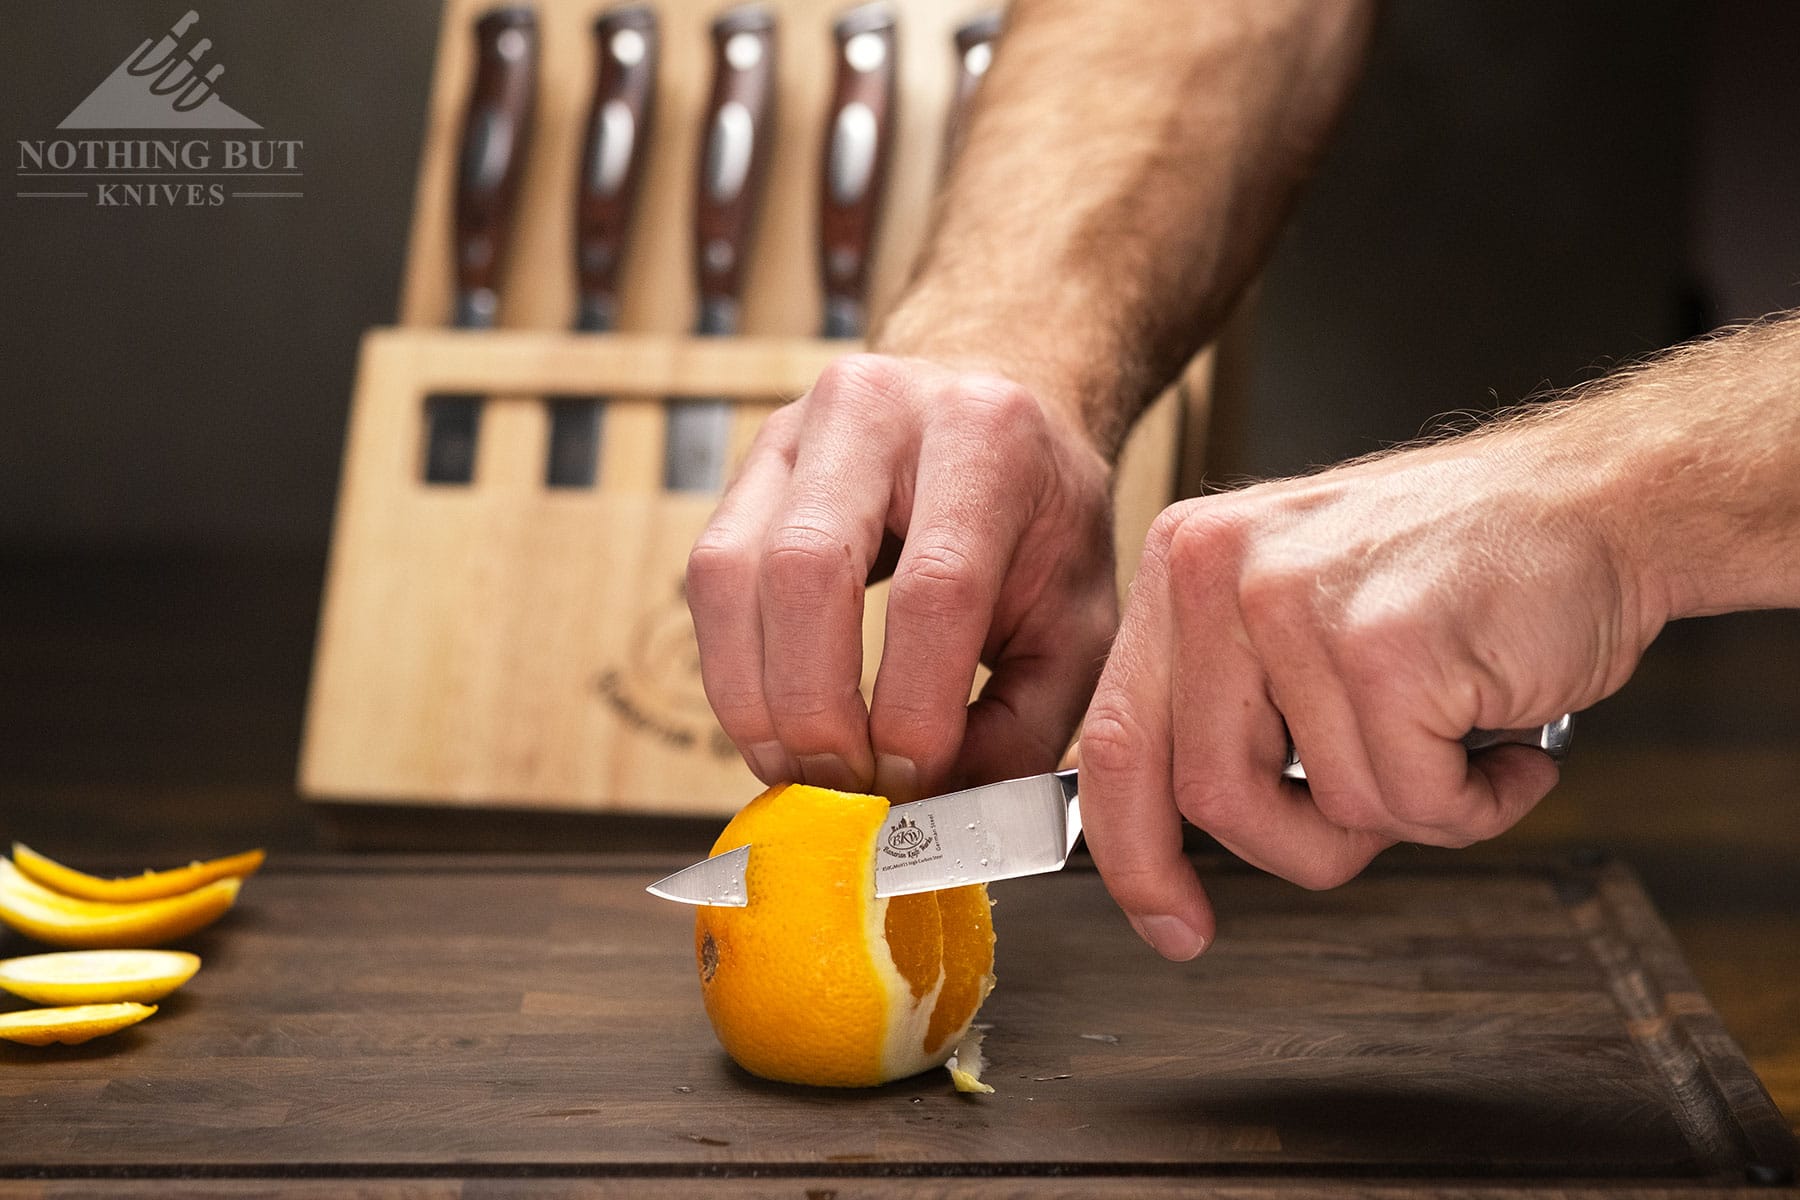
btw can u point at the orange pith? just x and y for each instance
(816, 981)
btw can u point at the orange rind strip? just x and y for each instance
(59, 920)
(151, 885)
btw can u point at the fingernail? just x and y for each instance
(897, 778)
(1171, 937)
(828, 771)
(770, 762)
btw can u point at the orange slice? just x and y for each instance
(151, 885)
(59, 920)
(816, 981)
(41, 1026)
(97, 976)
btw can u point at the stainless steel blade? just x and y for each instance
(1000, 831)
(718, 880)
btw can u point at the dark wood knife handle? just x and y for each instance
(974, 54)
(736, 139)
(858, 144)
(615, 148)
(496, 133)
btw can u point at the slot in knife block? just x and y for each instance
(501, 644)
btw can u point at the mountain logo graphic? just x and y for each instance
(160, 86)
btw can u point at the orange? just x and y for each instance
(816, 981)
(41, 1026)
(151, 885)
(97, 976)
(37, 912)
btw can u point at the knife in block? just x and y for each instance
(854, 164)
(737, 137)
(496, 133)
(616, 146)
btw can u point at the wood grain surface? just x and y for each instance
(482, 1026)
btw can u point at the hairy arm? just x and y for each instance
(1125, 171)
(1377, 611)
(1125, 167)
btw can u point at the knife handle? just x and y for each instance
(858, 145)
(974, 54)
(737, 138)
(496, 130)
(1553, 739)
(615, 147)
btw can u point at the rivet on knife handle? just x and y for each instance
(1553, 739)
(626, 46)
(858, 146)
(736, 141)
(497, 130)
(974, 54)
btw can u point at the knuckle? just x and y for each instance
(857, 379)
(937, 583)
(1204, 803)
(1171, 525)
(1111, 743)
(992, 402)
(804, 564)
(718, 565)
(1349, 809)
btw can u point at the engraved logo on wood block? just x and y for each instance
(657, 690)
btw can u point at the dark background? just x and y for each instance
(1520, 196)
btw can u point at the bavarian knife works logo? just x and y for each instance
(908, 842)
(166, 83)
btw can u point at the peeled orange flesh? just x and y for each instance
(97, 976)
(151, 885)
(816, 981)
(71, 1026)
(58, 920)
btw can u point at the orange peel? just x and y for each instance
(97, 976)
(58, 920)
(816, 981)
(151, 885)
(71, 1026)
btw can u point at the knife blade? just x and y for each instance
(496, 132)
(974, 42)
(737, 138)
(998, 831)
(620, 118)
(854, 163)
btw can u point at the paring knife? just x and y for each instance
(737, 138)
(496, 132)
(858, 145)
(626, 45)
(974, 55)
(999, 831)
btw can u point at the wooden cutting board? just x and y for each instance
(454, 1026)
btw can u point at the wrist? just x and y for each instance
(937, 333)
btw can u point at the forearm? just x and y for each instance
(1699, 463)
(1124, 172)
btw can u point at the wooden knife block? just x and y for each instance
(502, 644)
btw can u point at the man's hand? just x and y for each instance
(1003, 508)
(1374, 614)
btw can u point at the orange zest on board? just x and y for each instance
(58, 920)
(151, 885)
(97, 976)
(816, 981)
(41, 1026)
